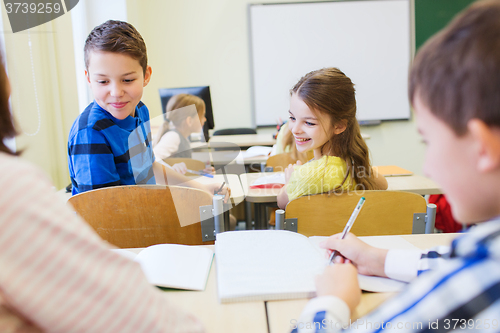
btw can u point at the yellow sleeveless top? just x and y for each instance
(318, 176)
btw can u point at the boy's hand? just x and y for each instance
(210, 170)
(369, 260)
(214, 187)
(180, 168)
(340, 280)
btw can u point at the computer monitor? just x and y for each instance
(203, 92)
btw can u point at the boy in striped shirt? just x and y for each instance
(110, 142)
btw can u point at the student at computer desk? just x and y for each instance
(185, 115)
(323, 119)
(56, 274)
(454, 87)
(110, 141)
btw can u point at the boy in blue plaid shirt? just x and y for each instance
(455, 91)
(110, 142)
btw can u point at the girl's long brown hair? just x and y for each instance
(329, 91)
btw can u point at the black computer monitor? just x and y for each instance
(203, 92)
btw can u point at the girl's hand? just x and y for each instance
(289, 170)
(180, 168)
(340, 280)
(369, 260)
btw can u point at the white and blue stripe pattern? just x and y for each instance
(104, 151)
(461, 285)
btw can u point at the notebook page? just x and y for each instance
(265, 265)
(176, 266)
(376, 283)
(256, 151)
(274, 178)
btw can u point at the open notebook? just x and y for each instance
(173, 265)
(266, 265)
(273, 180)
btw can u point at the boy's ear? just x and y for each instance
(147, 76)
(487, 140)
(87, 76)
(339, 127)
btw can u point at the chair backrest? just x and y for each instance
(191, 164)
(143, 215)
(280, 162)
(383, 213)
(234, 131)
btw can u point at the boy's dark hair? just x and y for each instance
(456, 74)
(116, 37)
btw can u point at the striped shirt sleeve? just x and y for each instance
(59, 276)
(92, 161)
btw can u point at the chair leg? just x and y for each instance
(430, 219)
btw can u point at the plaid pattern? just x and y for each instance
(104, 151)
(461, 290)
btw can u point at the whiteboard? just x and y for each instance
(368, 40)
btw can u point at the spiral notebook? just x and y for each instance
(264, 265)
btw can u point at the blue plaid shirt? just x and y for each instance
(104, 151)
(457, 290)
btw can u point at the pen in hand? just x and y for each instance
(221, 187)
(348, 227)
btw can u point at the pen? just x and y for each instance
(348, 226)
(201, 173)
(221, 187)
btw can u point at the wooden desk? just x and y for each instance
(261, 198)
(233, 181)
(280, 313)
(414, 183)
(223, 157)
(258, 195)
(244, 140)
(219, 318)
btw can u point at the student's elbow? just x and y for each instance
(381, 183)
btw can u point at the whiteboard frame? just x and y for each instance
(404, 107)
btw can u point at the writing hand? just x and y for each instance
(369, 260)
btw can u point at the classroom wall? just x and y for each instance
(197, 42)
(44, 100)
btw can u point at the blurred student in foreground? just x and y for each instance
(455, 91)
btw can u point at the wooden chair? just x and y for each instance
(191, 164)
(280, 162)
(383, 213)
(140, 216)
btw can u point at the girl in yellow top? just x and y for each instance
(323, 119)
